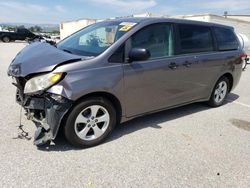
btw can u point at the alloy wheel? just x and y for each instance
(92, 122)
(220, 91)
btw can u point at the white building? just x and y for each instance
(67, 28)
(239, 17)
(148, 14)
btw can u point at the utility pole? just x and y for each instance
(225, 14)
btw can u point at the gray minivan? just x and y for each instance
(116, 70)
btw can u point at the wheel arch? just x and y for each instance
(229, 76)
(112, 98)
(109, 96)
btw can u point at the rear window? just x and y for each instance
(226, 39)
(194, 39)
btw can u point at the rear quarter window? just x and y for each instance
(226, 39)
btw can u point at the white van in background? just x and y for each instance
(244, 41)
(245, 45)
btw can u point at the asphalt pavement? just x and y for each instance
(192, 146)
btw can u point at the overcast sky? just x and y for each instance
(56, 11)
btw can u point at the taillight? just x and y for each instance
(243, 55)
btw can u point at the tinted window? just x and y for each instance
(226, 39)
(156, 38)
(195, 39)
(22, 31)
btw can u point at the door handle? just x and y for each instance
(187, 64)
(173, 66)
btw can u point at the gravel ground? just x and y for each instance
(191, 146)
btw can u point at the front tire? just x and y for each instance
(90, 122)
(220, 92)
(6, 39)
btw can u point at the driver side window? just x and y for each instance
(157, 38)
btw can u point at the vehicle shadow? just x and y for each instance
(152, 120)
(231, 97)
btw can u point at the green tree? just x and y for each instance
(10, 28)
(32, 29)
(37, 28)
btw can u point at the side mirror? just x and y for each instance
(139, 54)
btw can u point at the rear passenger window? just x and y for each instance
(157, 38)
(226, 39)
(194, 39)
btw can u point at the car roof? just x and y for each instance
(172, 20)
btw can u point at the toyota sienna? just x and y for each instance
(116, 70)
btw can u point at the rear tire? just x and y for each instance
(6, 39)
(90, 122)
(220, 92)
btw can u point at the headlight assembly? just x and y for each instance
(42, 82)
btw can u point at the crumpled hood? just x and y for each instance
(39, 57)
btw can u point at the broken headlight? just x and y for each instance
(42, 82)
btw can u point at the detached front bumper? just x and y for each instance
(46, 111)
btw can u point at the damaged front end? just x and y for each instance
(46, 110)
(34, 72)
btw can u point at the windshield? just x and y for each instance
(95, 39)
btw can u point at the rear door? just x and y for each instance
(197, 52)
